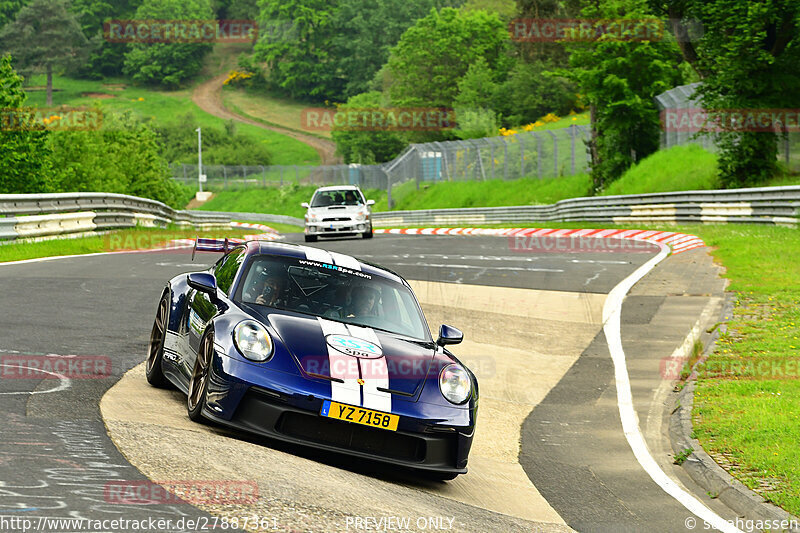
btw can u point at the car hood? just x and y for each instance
(320, 348)
(334, 210)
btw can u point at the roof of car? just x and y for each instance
(338, 188)
(323, 256)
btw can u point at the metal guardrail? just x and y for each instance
(768, 205)
(257, 217)
(43, 215)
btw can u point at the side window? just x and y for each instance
(226, 271)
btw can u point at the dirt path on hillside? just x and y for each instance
(208, 97)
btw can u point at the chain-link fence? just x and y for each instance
(682, 115)
(531, 154)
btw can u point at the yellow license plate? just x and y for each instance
(359, 415)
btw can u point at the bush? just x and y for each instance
(122, 157)
(220, 146)
(24, 163)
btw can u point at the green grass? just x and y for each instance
(747, 402)
(268, 109)
(488, 193)
(139, 238)
(164, 107)
(681, 168)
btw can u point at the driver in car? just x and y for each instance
(265, 290)
(364, 302)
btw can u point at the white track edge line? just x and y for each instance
(612, 309)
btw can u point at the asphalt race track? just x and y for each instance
(565, 465)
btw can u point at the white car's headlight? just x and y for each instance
(360, 216)
(311, 217)
(455, 384)
(253, 341)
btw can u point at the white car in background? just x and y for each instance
(338, 210)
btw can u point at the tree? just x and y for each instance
(168, 63)
(45, 36)
(619, 78)
(367, 146)
(475, 101)
(530, 92)
(104, 58)
(298, 56)
(747, 57)
(8, 10)
(437, 51)
(365, 32)
(24, 164)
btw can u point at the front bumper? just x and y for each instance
(337, 228)
(293, 416)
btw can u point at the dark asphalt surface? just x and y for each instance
(55, 456)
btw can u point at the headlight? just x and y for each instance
(360, 217)
(455, 384)
(311, 217)
(253, 341)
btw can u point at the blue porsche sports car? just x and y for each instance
(315, 348)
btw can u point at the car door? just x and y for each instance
(203, 308)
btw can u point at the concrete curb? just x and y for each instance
(703, 469)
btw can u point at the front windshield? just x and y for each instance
(336, 197)
(332, 292)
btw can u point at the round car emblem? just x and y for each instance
(354, 346)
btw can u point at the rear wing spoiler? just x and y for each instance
(214, 245)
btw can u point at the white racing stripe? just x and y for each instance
(345, 261)
(315, 254)
(342, 366)
(375, 372)
(630, 422)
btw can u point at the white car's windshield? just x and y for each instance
(333, 292)
(336, 197)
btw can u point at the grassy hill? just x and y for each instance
(162, 107)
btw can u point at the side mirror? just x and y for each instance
(203, 282)
(449, 335)
(304, 204)
(370, 202)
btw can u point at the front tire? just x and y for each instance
(311, 238)
(153, 371)
(198, 385)
(367, 234)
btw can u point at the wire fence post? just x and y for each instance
(505, 157)
(555, 152)
(538, 154)
(572, 148)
